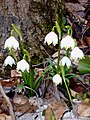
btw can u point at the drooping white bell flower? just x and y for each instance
(76, 54)
(57, 79)
(22, 65)
(67, 42)
(65, 61)
(51, 38)
(11, 42)
(9, 61)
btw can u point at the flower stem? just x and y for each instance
(22, 44)
(58, 55)
(14, 55)
(67, 52)
(63, 76)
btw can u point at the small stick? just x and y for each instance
(8, 102)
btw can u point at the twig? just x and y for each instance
(8, 102)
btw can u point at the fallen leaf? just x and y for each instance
(58, 108)
(5, 117)
(84, 109)
(14, 73)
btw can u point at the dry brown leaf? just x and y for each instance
(84, 109)
(5, 117)
(20, 99)
(9, 82)
(58, 108)
(73, 93)
(22, 104)
(14, 73)
(87, 40)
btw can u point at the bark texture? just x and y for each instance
(34, 17)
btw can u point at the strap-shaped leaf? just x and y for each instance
(58, 29)
(17, 30)
(84, 65)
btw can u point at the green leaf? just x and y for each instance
(24, 77)
(52, 116)
(37, 81)
(17, 30)
(31, 78)
(49, 78)
(84, 65)
(20, 87)
(26, 54)
(58, 29)
(64, 20)
(69, 76)
(85, 95)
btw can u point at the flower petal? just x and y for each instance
(23, 65)
(77, 54)
(57, 79)
(67, 42)
(9, 61)
(65, 61)
(11, 42)
(51, 38)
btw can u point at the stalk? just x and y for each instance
(58, 55)
(63, 76)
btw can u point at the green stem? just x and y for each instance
(14, 55)
(67, 52)
(63, 76)
(59, 33)
(22, 44)
(58, 55)
(12, 32)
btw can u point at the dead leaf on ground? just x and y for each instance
(87, 40)
(5, 117)
(9, 82)
(22, 104)
(84, 109)
(58, 108)
(14, 73)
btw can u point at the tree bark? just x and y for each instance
(35, 19)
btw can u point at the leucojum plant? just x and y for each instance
(60, 70)
(23, 64)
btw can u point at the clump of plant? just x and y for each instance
(60, 71)
(23, 63)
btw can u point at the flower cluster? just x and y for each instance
(22, 65)
(67, 43)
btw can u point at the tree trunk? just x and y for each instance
(35, 19)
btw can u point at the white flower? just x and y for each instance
(57, 79)
(77, 54)
(51, 38)
(9, 61)
(65, 61)
(67, 42)
(11, 42)
(23, 65)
